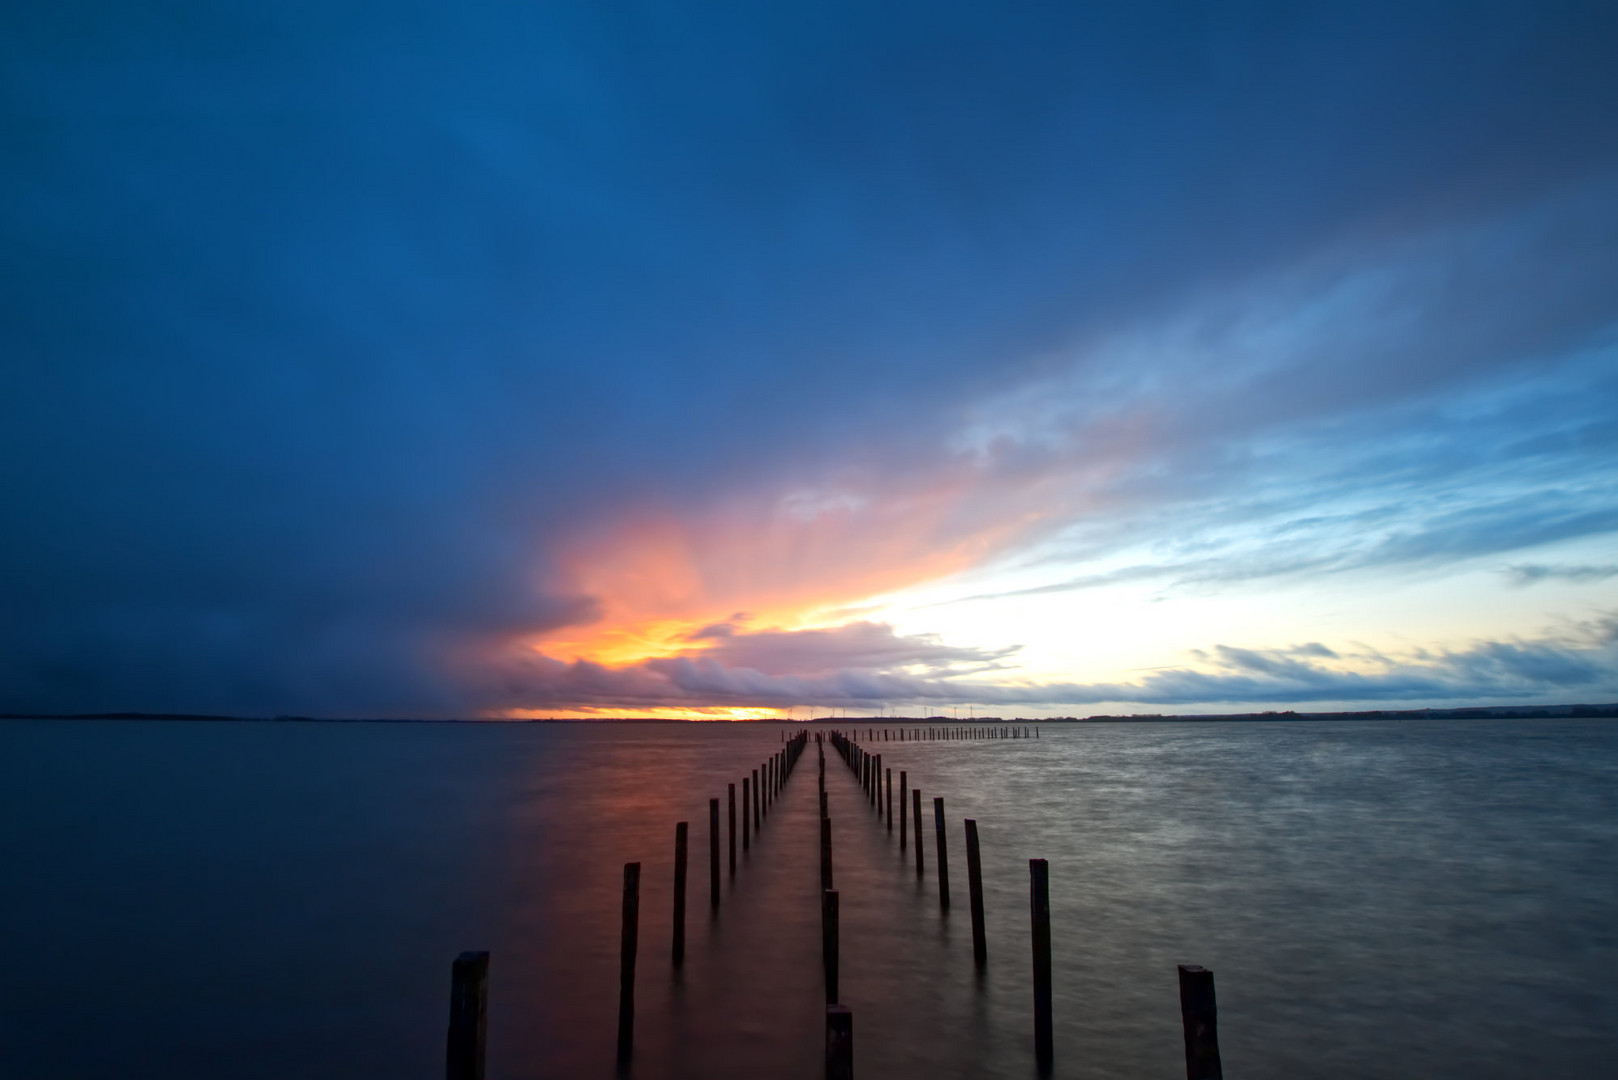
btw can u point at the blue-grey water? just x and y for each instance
(256, 900)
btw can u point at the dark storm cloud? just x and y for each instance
(321, 326)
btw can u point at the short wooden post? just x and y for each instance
(747, 818)
(974, 889)
(468, 1016)
(713, 851)
(1039, 898)
(943, 854)
(904, 792)
(733, 830)
(825, 853)
(1201, 1030)
(626, 962)
(828, 942)
(915, 804)
(839, 1043)
(679, 893)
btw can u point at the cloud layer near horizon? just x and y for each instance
(347, 362)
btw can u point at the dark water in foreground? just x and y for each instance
(257, 900)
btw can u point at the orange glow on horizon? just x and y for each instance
(702, 713)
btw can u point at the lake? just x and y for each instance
(258, 900)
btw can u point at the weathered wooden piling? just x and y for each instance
(713, 852)
(626, 962)
(733, 830)
(943, 854)
(974, 890)
(822, 802)
(828, 942)
(825, 852)
(747, 818)
(915, 797)
(468, 1016)
(1200, 1018)
(1039, 900)
(758, 813)
(839, 1043)
(904, 786)
(679, 893)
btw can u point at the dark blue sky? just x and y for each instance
(385, 359)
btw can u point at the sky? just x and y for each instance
(747, 360)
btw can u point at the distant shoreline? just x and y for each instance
(1485, 712)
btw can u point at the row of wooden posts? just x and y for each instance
(465, 1052)
(469, 975)
(1198, 1012)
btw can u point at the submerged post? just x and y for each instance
(974, 889)
(629, 941)
(1039, 899)
(1199, 1015)
(679, 893)
(943, 854)
(713, 851)
(839, 1043)
(828, 942)
(468, 1016)
(915, 805)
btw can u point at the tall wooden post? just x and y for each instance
(1200, 1017)
(890, 800)
(915, 805)
(758, 812)
(626, 962)
(713, 852)
(974, 888)
(747, 817)
(679, 893)
(904, 792)
(1039, 898)
(825, 853)
(468, 1016)
(943, 854)
(733, 830)
(828, 942)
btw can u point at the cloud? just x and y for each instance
(1583, 660)
(1523, 574)
(347, 361)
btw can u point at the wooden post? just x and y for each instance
(974, 888)
(825, 853)
(468, 1016)
(626, 961)
(733, 830)
(822, 802)
(1039, 899)
(679, 893)
(757, 802)
(1199, 1015)
(915, 804)
(839, 1043)
(943, 854)
(890, 800)
(747, 818)
(904, 792)
(828, 942)
(713, 851)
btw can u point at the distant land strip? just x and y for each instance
(1482, 712)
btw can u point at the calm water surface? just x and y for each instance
(277, 900)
